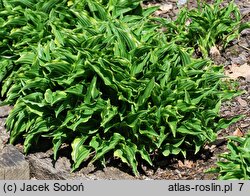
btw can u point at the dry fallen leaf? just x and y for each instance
(166, 7)
(157, 13)
(239, 71)
(180, 164)
(242, 102)
(214, 52)
(212, 148)
(188, 164)
(238, 133)
(244, 125)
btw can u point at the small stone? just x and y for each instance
(4, 111)
(13, 165)
(245, 32)
(238, 60)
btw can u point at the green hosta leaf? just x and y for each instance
(108, 114)
(80, 152)
(186, 84)
(231, 37)
(129, 151)
(178, 142)
(29, 140)
(38, 83)
(185, 130)
(105, 74)
(246, 145)
(54, 97)
(35, 110)
(58, 36)
(133, 118)
(7, 84)
(97, 9)
(96, 142)
(34, 99)
(28, 3)
(162, 137)
(13, 93)
(233, 149)
(198, 143)
(19, 106)
(170, 149)
(62, 107)
(107, 146)
(48, 5)
(137, 68)
(185, 57)
(203, 95)
(173, 126)
(5, 67)
(27, 57)
(57, 141)
(83, 18)
(68, 118)
(119, 154)
(19, 126)
(58, 68)
(239, 140)
(15, 21)
(127, 38)
(187, 97)
(92, 91)
(43, 53)
(81, 120)
(149, 132)
(147, 92)
(48, 96)
(150, 10)
(144, 154)
(224, 123)
(40, 127)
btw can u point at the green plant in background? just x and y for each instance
(209, 25)
(235, 164)
(104, 77)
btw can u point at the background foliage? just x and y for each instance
(235, 164)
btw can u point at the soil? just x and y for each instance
(234, 57)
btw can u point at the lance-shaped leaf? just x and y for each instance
(147, 92)
(80, 152)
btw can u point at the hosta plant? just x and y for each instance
(235, 164)
(208, 26)
(103, 77)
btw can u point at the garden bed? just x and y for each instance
(236, 59)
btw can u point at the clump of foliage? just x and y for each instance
(105, 77)
(235, 164)
(210, 25)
